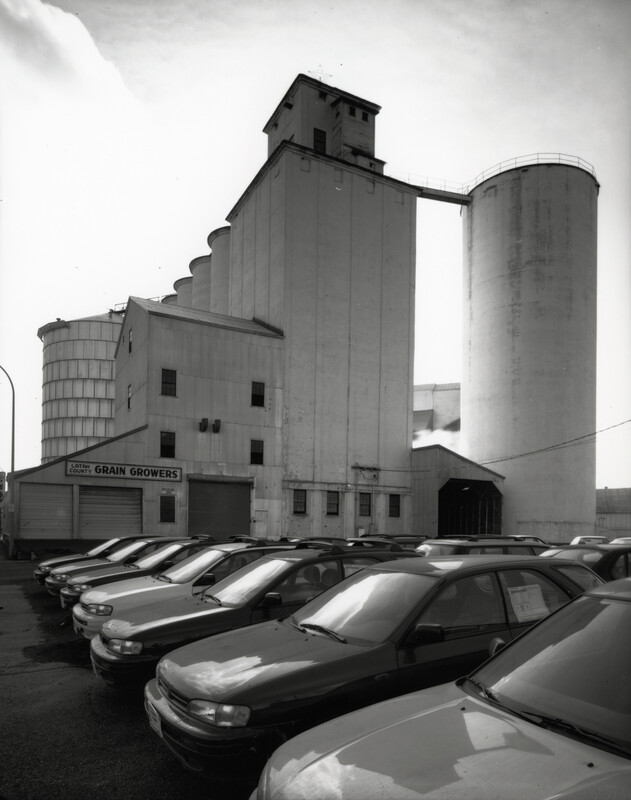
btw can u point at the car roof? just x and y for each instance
(619, 590)
(439, 566)
(304, 552)
(598, 548)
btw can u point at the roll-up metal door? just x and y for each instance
(45, 511)
(109, 511)
(220, 509)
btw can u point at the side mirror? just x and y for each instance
(428, 633)
(495, 645)
(271, 599)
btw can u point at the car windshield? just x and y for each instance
(585, 555)
(95, 551)
(193, 566)
(570, 673)
(244, 584)
(368, 606)
(125, 552)
(157, 556)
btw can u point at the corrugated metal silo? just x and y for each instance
(78, 383)
(200, 272)
(184, 291)
(219, 242)
(529, 366)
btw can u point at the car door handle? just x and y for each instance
(383, 676)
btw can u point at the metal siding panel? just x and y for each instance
(45, 511)
(108, 511)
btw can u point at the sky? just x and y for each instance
(129, 128)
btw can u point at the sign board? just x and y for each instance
(98, 469)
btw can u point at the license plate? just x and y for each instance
(154, 719)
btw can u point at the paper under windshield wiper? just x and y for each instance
(321, 629)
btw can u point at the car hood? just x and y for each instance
(258, 664)
(445, 745)
(75, 567)
(104, 575)
(179, 620)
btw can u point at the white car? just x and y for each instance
(590, 540)
(548, 717)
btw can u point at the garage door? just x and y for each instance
(45, 511)
(218, 509)
(106, 512)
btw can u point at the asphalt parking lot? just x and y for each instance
(65, 735)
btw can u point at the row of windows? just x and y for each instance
(168, 388)
(167, 447)
(333, 503)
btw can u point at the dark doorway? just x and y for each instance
(470, 508)
(219, 509)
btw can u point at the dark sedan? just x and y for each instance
(274, 586)
(98, 551)
(610, 561)
(386, 630)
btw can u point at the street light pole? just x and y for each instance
(12, 418)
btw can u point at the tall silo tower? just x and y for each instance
(78, 383)
(529, 371)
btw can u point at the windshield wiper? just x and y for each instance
(564, 726)
(321, 629)
(164, 578)
(213, 598)
(482, 689)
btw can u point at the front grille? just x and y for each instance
(174, 698)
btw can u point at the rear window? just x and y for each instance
(581, 577)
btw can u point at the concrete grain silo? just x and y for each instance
(529, 362)
(78, 383)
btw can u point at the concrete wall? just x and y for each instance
(529, 367)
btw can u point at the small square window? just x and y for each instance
(256, 451)
(169, 382)
(319, 140)
(300, 501)
(351, 111)
(258, 394)
(365, 504)
(394, 505)
(167, 444)
(167, 508)
(365, 116)
(332, 504)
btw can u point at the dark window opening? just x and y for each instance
(256, 451)
(351, 111)
(300, 501)
(319, 140)
(394, 505)
(169, 382)
(258, 394)
(365, 504)
(332, 504)
(365, 116)
(167, 444)
(129, 397)
(167, 508)
(129, 341)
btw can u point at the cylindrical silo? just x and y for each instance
(219, 242)
(169, 300)
(529, 369)
(184, 291)
(78, 383)
(200, 272)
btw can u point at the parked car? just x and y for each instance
(610, 561)
(621, 540)
(98, 551)
(59, 576)
(531, 723)
(384, 631)
(590, 540)
(151, 564)
(190, 577)
(480, 544)
(275, 586)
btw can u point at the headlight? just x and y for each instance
(125, 646)
(45, 570)
(63, 577)
(82, 587)
(224, 716)
(99, 609)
